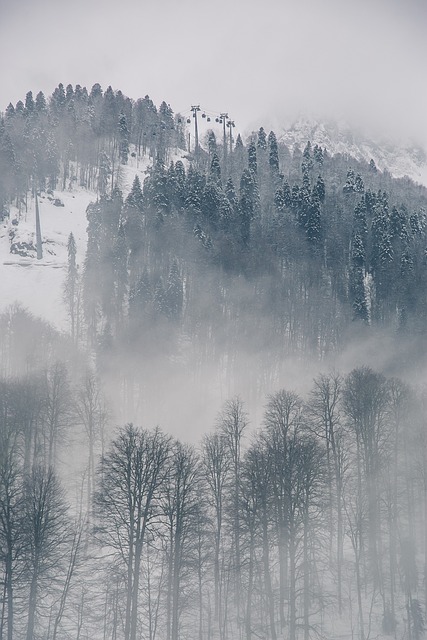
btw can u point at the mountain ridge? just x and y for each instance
(400, 157)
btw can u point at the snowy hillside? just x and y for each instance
(398, 158)
(38, 284)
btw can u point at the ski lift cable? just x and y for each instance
(208, 112)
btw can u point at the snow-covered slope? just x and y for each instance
(38, 284)
(399, 158)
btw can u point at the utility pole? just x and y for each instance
(223, 119)
(38, 231)
(195, 108)
(231, 124)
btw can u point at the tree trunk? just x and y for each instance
(359, 597)
(9, 595)
(175, 587)
(283, 572)
(135, 589)
(129, 583)
(267, 577)
(340, 553)
(237, 546)
(292, 586)
(425, 524)
(248, 621)
(306, 580)
(32, 603)
(169, 588)
(216, 579)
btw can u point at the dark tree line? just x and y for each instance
(79, 137)
(271, 252)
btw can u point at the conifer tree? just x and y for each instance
(71, 288)
(307, 162)
(279, 201)
(314, 223)
(109, 117)
(273, 153)
(69, 93)
(252, 159)
(8, 169)
(212, 146)
(135, 197)
(195, 183)
(57, 101)
(159, 297)
(140, 298)
(179, 186)
(210, 202)
(319, 189)
(174, 293)
(104, 172)
(29, 104)
(10, 110)
(239, 158)
(227, 213)
(357, 283)
(350, 186)
(398, 222)
(123, 138)
(52, 161)
(215, 169)
(359, 185)
(19, 108)
(246, 205)
(157, 193)
(318, 155)
(262, 139)
(120, 266)
(287, 194)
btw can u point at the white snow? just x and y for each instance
(400, 157)
(38, 284)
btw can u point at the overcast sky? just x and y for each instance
(361, 60)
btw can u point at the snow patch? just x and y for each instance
(401, 158)
(38, 284)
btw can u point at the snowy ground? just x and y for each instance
(38, 284)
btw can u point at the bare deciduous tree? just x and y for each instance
(45, 535)
(232, 422)
(216, 466)
(127, 502)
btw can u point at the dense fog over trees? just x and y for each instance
(310, 523)
(218, 446)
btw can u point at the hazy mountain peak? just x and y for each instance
(401, 157)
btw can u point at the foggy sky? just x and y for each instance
(362, 60)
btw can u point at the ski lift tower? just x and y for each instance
(223, 119)
(195, 108)
(38, 231)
